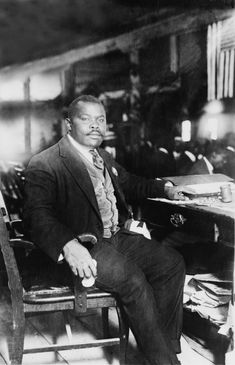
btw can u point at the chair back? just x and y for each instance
(11, 267)
(12, 187)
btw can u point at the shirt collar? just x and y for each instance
(190, 155)
(230, 148)
(164, 150)
(83, 150)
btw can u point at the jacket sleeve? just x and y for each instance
(137, 188)
(40, 214)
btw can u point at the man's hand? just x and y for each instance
(79, 259)
(178, 192)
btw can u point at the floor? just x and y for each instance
(38, 331)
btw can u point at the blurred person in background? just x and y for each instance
(156, 158)
(229, 168)
(164, 161)
(212, 162)
(186, 159)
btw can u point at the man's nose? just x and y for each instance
(94, 123)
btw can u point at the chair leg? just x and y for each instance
(105, 322)
(68, 327)
(106, 334)
(123, 334)
(16, 347)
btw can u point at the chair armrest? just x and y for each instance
(80, 296)
(80, 293)
(15, 221)
(20, 243)
(17, 228)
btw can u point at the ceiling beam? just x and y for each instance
(138, 38)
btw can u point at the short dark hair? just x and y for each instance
(83, 98)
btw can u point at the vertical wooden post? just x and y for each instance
(213, 60)
(218, 53)
(63, 82)
(231, 73)
(174, 58)
(67, 82)
(135, 113)
(209, 58)
(27, 118)
(221, 76)
(226, 73)
(134, 56)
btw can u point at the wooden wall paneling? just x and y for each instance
(174, 57)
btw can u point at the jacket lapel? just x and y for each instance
(74, 164)
(109, 165)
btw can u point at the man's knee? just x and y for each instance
(174, 257)
(135, 289)
(124, 278)
(135, 284)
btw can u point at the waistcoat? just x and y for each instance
(106, 199)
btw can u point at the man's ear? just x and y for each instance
(68, 124)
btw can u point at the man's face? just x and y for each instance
(88, 126)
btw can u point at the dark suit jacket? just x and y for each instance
(229, 168)
(184, 164)
(60, 202)
(198, 168)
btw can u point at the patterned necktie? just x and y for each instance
(97, 160)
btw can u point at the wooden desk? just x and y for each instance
(188, 217)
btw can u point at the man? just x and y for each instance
(213, 161)
(230, 153)
(73, 188)
(186, 159)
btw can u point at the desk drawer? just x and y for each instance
(174, 217)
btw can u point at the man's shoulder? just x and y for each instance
(46, 156)
(105, 154)
(200, 162)
(198, 167)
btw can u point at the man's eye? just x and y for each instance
(84, 119)
(101, 120)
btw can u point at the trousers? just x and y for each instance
(148, 278)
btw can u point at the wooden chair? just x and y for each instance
(12, 179)
(57, 299)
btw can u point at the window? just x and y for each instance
(220, 59)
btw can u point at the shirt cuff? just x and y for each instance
(169, 183)
(61, 258)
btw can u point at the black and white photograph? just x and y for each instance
(117, 182)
